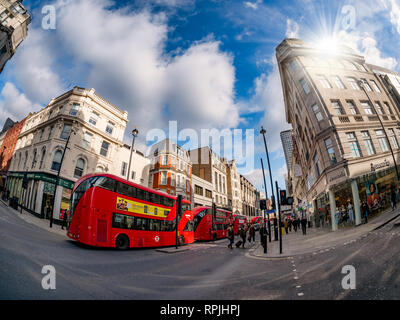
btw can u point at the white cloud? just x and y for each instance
(14, 104)
(292, 29)
(269, 96)
(121, 54)
(252, 5)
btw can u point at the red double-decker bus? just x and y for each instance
(207, 227)
(238, 220)
(108, 211)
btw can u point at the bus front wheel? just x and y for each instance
(181, 240)
(122, 242)
(214, 236)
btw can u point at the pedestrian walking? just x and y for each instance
(231, 237)
(365, 210)
(243, 234)
(304, 224)
(65, 219)
(286, 226)
(290, 224)
(263, 234)
(351, 213)
(252, 233)
(393, 199)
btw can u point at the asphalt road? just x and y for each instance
(205, 271)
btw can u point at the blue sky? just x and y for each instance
(205, 64)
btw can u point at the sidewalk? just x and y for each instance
(29, 218)
(318, 239)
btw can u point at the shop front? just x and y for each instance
(38, 195)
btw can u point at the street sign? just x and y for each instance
(286, 208)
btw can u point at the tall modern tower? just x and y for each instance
(14, 21)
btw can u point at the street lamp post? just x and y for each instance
(361, 84)
(58, 176)
(265, 211)
(135, 133)
(263, 131)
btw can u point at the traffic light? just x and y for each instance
(282, 196)
(263, 204)
(285, 200)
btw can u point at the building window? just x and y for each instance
(42, 158)
(368, 143)
(87, 140)
(393, 138)
(379, 108)
(163, 178)
(383, 143)
(51, 132)
(26, 159)
(172, 179)
(74, 109)
(317, 113)
(352, 107)
(293, 65)
(331, 151)
(375, 86)
(388, 108)
(17, 8)
(94, 117)
(41, 134)
(123, 169)
(353, 143)
(56, 161)
(317, 165)
(104, 148)
(338, 82)
(305, 86)
(66, 131)
(34, 158)
(133, 175)
(208, 193)
(353, 83)
(367, 107)
(337, 107)
(110, 127)
(324, 82)
(80, 166)
(198, 190)
(164, 160)
(366, 85)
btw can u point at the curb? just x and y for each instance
(385, 223)
(172, 250)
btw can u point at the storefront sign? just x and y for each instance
(380, 165)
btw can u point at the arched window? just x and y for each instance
(42, 158)
(26, 159)
(34, 158)
(80, 166)
(19, 160)
(56, 161)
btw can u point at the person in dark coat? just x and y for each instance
(365, 210)
(252, 233)
(304, 223)
(263, 234)
(393, 199)
(243, 234)
(231, 237)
